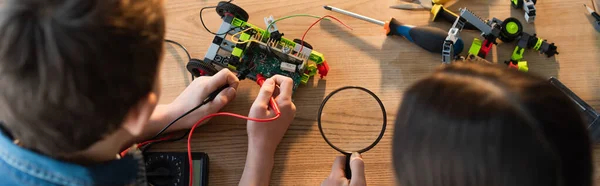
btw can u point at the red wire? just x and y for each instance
(318, 20)
(189, 142)
(146, 142)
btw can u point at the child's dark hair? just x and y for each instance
(471, 125)
(70, 70)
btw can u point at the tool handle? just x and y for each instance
(448, 16)
(429, 38)
(347, 170)
(596, 16)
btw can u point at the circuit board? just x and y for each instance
(251, 49)
(261, 61)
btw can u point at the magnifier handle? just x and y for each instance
(347, 170)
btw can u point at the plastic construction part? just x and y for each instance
(528, 6)
(438, 10)
(448, 46)
(485, 48)
(323, 69)
(475, 47)
(522, 66)
(511, 29)
(224, 8)
(476, 21)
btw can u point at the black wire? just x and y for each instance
(147, 146)
(204, 25)
(178, 118)
(184, 49)
(181, 46)
(242, 75)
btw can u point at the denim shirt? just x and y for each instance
(19, 166)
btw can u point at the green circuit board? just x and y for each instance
(262, 62)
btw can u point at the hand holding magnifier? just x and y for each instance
(352, 119)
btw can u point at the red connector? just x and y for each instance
(513, 66)
(485, 48)
(260, 79)
(323, 69)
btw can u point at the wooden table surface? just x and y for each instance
(364, 57)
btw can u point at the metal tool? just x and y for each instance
(596, 16)
(419, 4)
(415, 5)
(428, 38)
(592, 118)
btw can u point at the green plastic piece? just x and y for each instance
(316, 57)
(475, 47)
(231, 67)
(288, 42)
(237, 52)
(304, 78)
(517, 54)
(312, 69)
(512, 27)
(515, 1)
(244, 37)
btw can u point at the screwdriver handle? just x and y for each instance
(429, 38)
(596, 16)
(448, 16)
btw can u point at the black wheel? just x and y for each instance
(225, 7)
(518, 4)
(305, 43)
(200, 68)
(511, 29)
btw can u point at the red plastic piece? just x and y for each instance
(513, 66)
(485, 48)
(323, 69)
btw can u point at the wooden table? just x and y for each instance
(364, 57)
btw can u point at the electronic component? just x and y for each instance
(288, 67)
(246, 47)
(171, 168)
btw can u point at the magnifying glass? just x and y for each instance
(352, 119)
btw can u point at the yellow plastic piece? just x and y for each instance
(244, 36)
(312, 69)
(475, 47)
(231, 67)
(237, 52)
(304, 78)
(523, 66)
(538, 44)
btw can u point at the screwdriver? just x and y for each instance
(596, 16)
(429, 38)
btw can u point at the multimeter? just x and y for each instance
(172, 168)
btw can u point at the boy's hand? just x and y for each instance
(265, 136)
(197, 91)
(338, 177)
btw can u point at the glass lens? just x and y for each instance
(351, 120)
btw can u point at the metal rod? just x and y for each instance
(355, 15)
